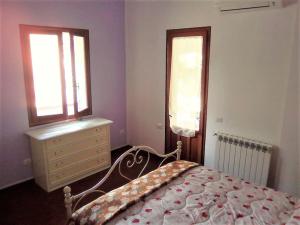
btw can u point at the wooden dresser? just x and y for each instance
(64, 153)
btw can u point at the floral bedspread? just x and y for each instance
(107, 206)
(203, 196)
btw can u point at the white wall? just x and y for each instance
(287, 161)
(251, 85)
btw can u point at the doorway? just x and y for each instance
(187, 90)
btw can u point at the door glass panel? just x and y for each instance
(185, 85)
(81, 83)
(46, 74)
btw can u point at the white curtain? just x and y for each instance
(185, 85)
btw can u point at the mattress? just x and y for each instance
(205, 196)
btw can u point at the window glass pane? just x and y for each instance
(80, 72)
(185, 85)
(68, 73)
(46, 74)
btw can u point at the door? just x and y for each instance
(186, 91)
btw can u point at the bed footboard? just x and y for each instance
(132, 157)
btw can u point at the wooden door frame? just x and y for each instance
(197, 31)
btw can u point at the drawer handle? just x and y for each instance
(59, 164)
(59, 176)
(55, 141)
(58, 152)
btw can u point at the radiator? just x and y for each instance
(243, 157)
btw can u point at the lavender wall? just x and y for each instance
(105, 22)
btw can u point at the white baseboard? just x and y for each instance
(17, 182)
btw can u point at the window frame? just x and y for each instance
(33, 119)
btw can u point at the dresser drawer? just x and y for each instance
(78, 169)
(78, 145)
(54, 165)
(69, 138)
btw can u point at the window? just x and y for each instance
(57, 73)
(185, 84)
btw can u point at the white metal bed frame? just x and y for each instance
(135, 158)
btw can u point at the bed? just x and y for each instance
(181, 193)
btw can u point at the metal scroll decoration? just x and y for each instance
(134, 159)
(130, 158)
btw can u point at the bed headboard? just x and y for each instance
(137, 155)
